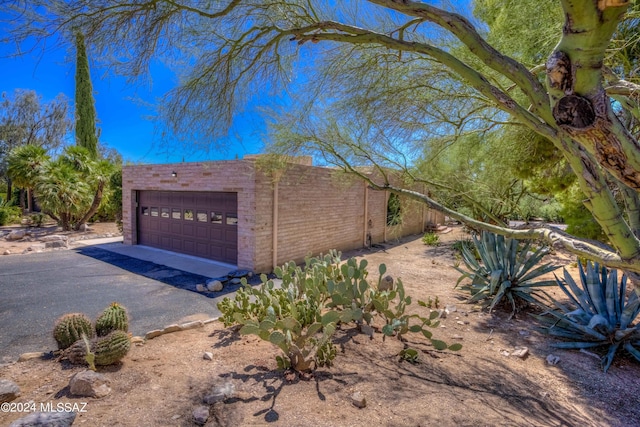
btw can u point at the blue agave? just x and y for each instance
(600, 313)
(508, 270)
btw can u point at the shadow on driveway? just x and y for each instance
(168, 275)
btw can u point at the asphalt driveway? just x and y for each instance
(36, 289)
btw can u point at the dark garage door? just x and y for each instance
(203, 224)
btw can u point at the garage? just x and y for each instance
(202, 224)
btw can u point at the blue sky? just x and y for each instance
(123, 118)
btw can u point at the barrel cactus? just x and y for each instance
(112, 348)
(113, 318)
(101, 351)
(69, 328)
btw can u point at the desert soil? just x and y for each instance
(161, 382)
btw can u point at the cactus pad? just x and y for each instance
(113, 318)
(69, 328)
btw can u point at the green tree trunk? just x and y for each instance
(86, 135)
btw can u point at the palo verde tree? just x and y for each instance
(227, 49)
(86, 135)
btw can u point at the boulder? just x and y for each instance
(45, 419)
(17, 235)
(89, 384)
(55, 244)
(8, 391)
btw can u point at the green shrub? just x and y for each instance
(599, 314)
(431, 239)
(10, 215)
(37, 219)
(506, 271)
(302, 315)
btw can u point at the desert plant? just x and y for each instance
(70, 328)
(302, 315)
(111, 319)
(600, 313)
(431, 239)
(37, 219)
(10, 214)
(507, 270)
(102, 351)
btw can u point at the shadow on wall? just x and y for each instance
(161, 273)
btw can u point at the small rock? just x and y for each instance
(457, 337)
(152, 334)
(45, 419)
(89, 384)
(459, 322)
(443, 314)
(7, 252)
(28, 356)
(521, 352)
(552, 359)
(84, 227)
(358, 400)
(207, 355)
(176, 417)
(524, 333)
(450, 308)
(8, 391)
(386, 284)
(201, 415)
(214, 285)
(219, 393)
(505, 353)
(235, 281)
(137, 340)
(201, 288)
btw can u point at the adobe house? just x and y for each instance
(243, 213)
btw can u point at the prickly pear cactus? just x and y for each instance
(69, 328)
(110, 349)
(113, 318)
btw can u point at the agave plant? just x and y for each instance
(506, 271)
(600, 313)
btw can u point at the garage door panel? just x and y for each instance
(188, 230)
(195, 223)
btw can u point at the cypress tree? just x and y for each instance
(86, 135)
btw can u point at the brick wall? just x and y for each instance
(229, 176)
(317, 208)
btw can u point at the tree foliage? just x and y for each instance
(86, 135)
(69, 188)
(26, 120)
(414, 71)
